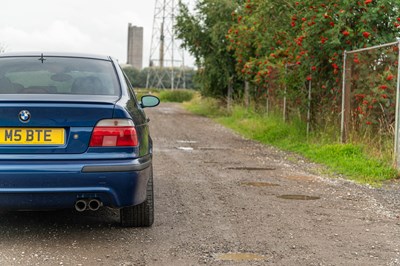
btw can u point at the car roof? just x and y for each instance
(55, 54)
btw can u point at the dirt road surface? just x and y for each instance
(219, 200)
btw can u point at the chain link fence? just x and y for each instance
(370, 94)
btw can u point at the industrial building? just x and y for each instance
(135, 46)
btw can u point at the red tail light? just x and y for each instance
(114, 133)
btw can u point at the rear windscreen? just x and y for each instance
(57, 75)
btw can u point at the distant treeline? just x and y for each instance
(138, 78)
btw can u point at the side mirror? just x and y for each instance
(149, 101)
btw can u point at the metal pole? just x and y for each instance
(247, 94)
(183, 71)
(309, 106)
(267, 102)
(373, 47)
(172, 47)
(342, 129)
(229, 100)
(396, 133)
(152, 50)
(284, 95)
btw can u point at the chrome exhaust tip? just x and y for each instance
(94, 204)
(81, 205)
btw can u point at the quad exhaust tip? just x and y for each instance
(88, 204)
(94, 204)
(80, 205)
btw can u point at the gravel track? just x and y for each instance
(219, 200)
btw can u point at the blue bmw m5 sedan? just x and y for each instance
(73, 135)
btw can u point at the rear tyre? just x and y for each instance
(141, 215)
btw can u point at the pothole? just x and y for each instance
(301, 178)
(213, 148)
(298, 197)
(219, 162)
(185, 148)
(240, 257)
(186, 141)
(252, 168)
(259, 184)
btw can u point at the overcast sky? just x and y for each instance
(88, 26)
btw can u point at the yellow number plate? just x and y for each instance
(32, 136)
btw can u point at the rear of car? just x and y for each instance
(72, 134)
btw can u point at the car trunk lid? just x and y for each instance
(44, 125)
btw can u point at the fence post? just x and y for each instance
(309, 106)
(247, 94)
(346, 92)
(284, 95)
(230, 92)
(396, 154)
(267, 102)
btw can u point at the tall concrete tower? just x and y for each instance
(166, 62)
(135, 46)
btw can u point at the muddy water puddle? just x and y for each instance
(301, 178)
(201, 148)
(298, 197)
(213, 149)
(240, 257)
(185, 148)
(259, 184)
(245, 168)
(187, 141)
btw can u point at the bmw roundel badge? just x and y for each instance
(24, 116)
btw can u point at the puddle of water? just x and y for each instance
(298, 197)
(259, 184)
(186, 141)
(240, 257)
(252, 168)
(213, 149)
(185, 148)
(301, 178)
(218, 162)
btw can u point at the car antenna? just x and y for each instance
(42, 58)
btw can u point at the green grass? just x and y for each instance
(177, 96)
(350, 160)
(204, 106)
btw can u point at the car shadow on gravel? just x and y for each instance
(68, 219)
(64, 230)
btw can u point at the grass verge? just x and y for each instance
(177, 96)
(350, 160)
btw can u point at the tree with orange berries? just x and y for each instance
(283, 43)
(311, 36)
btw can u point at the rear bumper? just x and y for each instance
(59, 184)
